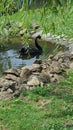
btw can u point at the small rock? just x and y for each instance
(71, 48)
(45, 36)
(12, 77)
(71, 57)
(44, 76)
(56, 58)
(32, 32)
(5, 96)
(51, 56)
(44, 66)
(71, 52)
(48, 39)
(5, 84)
(37, 34)
(33, 68)
(25, 73)
(71, 66)
(13, 71)
(64, 66)
(36, 73)
(9, 90)
(35, 26)
(49, 61)
(60, 60)
(36, 68)
(58, 37)
(55, 78)
(55, 67)
(33, 81)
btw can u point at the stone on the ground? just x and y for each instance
(12, 77)
(5, 84)
(25, 73)
(33, 81)
(71, 66)
(33, 68)
(71, 48)
(37, 34)
(13, 71)
(35, 26)
(55, 67)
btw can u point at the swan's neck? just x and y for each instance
(37, 45)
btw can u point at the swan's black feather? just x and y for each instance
(32, 50)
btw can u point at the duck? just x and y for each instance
(32, 50)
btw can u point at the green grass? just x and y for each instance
(56, 20)
(47, 108)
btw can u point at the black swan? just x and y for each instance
(23, 51)
(32, 50)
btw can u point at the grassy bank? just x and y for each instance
(48, 108)
(57, 20)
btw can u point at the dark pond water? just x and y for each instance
(10, 57)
